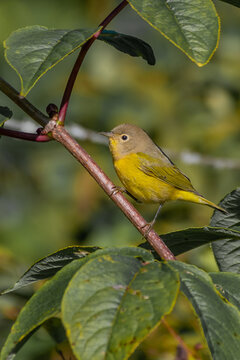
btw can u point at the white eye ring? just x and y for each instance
(124, 137)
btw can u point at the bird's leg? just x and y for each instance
(150, 225)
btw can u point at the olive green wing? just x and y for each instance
(165, 171)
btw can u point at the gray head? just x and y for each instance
(126, 139)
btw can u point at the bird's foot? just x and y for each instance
(149, 227)
(117, 189)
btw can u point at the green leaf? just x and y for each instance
(233, 2)
(129, 45)
(228, 285)
(49, 265)
(227, 252)
(5, 114)
(184, 240)
(46, 302)
(192, 25)
(113, 303)
(43, 305)
(231, 203)
(33, 50)
(220, 320)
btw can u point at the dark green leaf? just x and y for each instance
(227, 252)
(191, 25)
(113, 303)
(231, 203)
(228, 284)
(233, 2)
(188, 239)
(129, 45)
(5, 114)
(49, 265)
(34, 50)
(43, 305)
(220, 320)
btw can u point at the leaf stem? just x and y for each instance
(24, 136)
(62, 136)
(81, 56)
(23, 103)
(179, 339)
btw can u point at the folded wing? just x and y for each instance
(164, 171)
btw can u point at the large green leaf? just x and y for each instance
(228, 284)
(113, 303)
(184, 240)
(46, 302)
(49, 265)
(227, 252)
(191, 25)
(129, 45)
(43, 305)
(220, 319)
(33, 50)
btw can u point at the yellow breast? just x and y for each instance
(143, 187)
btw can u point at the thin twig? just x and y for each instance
(23, 103)
(62, 136)
(81, 56)
(24, 135)
(179, 339)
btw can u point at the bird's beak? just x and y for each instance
(107, 134)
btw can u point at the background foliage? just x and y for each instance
(47, 201)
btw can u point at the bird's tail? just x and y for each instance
(212, 205)
(199, 199)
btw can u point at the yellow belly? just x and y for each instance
(143, 187)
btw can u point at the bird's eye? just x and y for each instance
(124, 137)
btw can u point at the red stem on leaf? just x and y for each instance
(24, 136)
(81, 56)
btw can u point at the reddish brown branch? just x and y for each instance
(62, 136)
(81, 56)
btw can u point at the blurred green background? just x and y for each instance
(48, 201)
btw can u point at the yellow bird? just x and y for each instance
(147, 173)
